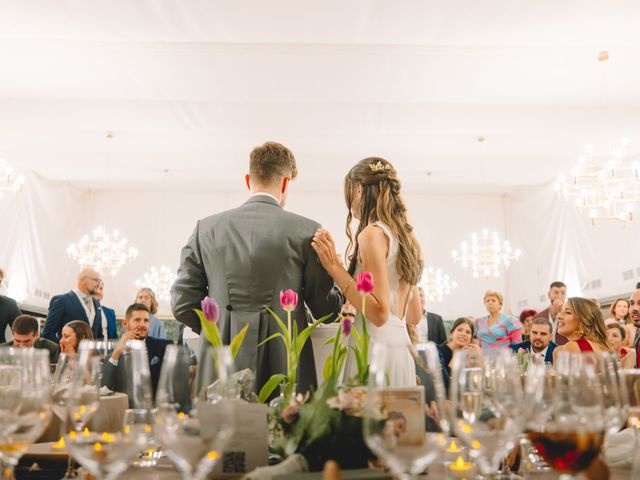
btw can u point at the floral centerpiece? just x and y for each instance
(327, 424)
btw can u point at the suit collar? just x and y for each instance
(263, 198)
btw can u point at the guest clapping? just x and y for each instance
(497, 330)
(616, 336)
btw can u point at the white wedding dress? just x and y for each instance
(402, 369)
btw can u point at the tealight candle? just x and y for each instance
(460, 470)
(59, 444)
(454, 450)
(453, 447)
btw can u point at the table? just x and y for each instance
(108, 418)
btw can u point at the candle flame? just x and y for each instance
(453, 446)
(97, 447)
(59, 444)
(460, 462)
(85, 432)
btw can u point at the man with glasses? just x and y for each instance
(78, 304)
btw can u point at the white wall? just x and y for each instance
(159, 223)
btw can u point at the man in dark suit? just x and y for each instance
(136, 322)
(557, 296)
(78, 304)
(431, 326)
(243, 258)
(540, 343)
(8, 311)
(26, 334)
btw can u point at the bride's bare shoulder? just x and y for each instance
(372, 235)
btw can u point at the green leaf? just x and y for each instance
(271, 337)
(209, 329)
(268, 388)
(326, 370)
(304, 334)
(356, 335)
(236, 343)
(283, 327)
(329, 340)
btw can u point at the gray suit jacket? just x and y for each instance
(243, 258)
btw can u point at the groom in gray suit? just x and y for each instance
(243, 258)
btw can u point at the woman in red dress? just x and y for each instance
(581, 321)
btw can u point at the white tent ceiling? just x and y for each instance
(192, 86)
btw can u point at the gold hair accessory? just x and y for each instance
(379, 167)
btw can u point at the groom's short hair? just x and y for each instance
(271, 161)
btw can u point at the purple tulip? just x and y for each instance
(210, 309)
(288, 300)
(347, 323)
(364, 282)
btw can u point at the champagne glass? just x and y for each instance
(565, 411)
(25, 383)
(140, 422)
(405, 426)
(106, 454)
(632, 382)
(486, 402)
(193, 428)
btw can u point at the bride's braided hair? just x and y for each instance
(381, 201)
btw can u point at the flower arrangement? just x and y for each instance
(328, 423)
(209, 316)
(294, 342)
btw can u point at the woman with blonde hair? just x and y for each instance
(619, 313)
(147, 297)
(497, 330)
(383, 244)
(581, 321)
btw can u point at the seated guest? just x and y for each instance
(461, 336)
(526, 319)
(136, 322)
(616, 336)
(619, 313)
(430, 328)
(497, 330)
(26, 334)
(580, 320)
(109, 328)
(78, 304)
(540, 343)
(147, 297)
(72, 334)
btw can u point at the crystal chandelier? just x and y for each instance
(436, 284)
(107, 253)
(8, 181)
(159, 280)
(486, 255)
(606, 184)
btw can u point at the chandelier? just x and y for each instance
(159, 280)
(105, 252)
(486, 255)
(436, 284)
(606, 184)
(8, 181)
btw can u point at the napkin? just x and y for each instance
(105, 391)
(294, 464)
(619, 449)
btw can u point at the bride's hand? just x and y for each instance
(325, 247)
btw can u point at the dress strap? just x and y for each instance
(584, 345)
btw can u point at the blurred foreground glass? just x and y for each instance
(405, 426)
(486, 402)
(25, 402)
(106, 454)
(192, 428)
(632, 384)
(565, 411)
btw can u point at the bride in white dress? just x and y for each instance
(385, 246)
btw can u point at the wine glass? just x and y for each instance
(405, 426)
(140, 422)
(486, 402)
(106, 454)
(25, 402)
(565, 411)
(193, 428)
(632, 382)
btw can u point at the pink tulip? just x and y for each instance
(364, 282)
(210, 309)
(288, 300)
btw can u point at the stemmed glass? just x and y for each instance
(565, 411)
(486, 402)
(632, 382)
(106, 454)
(405, 426)
(193, 428)
(25, 402)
